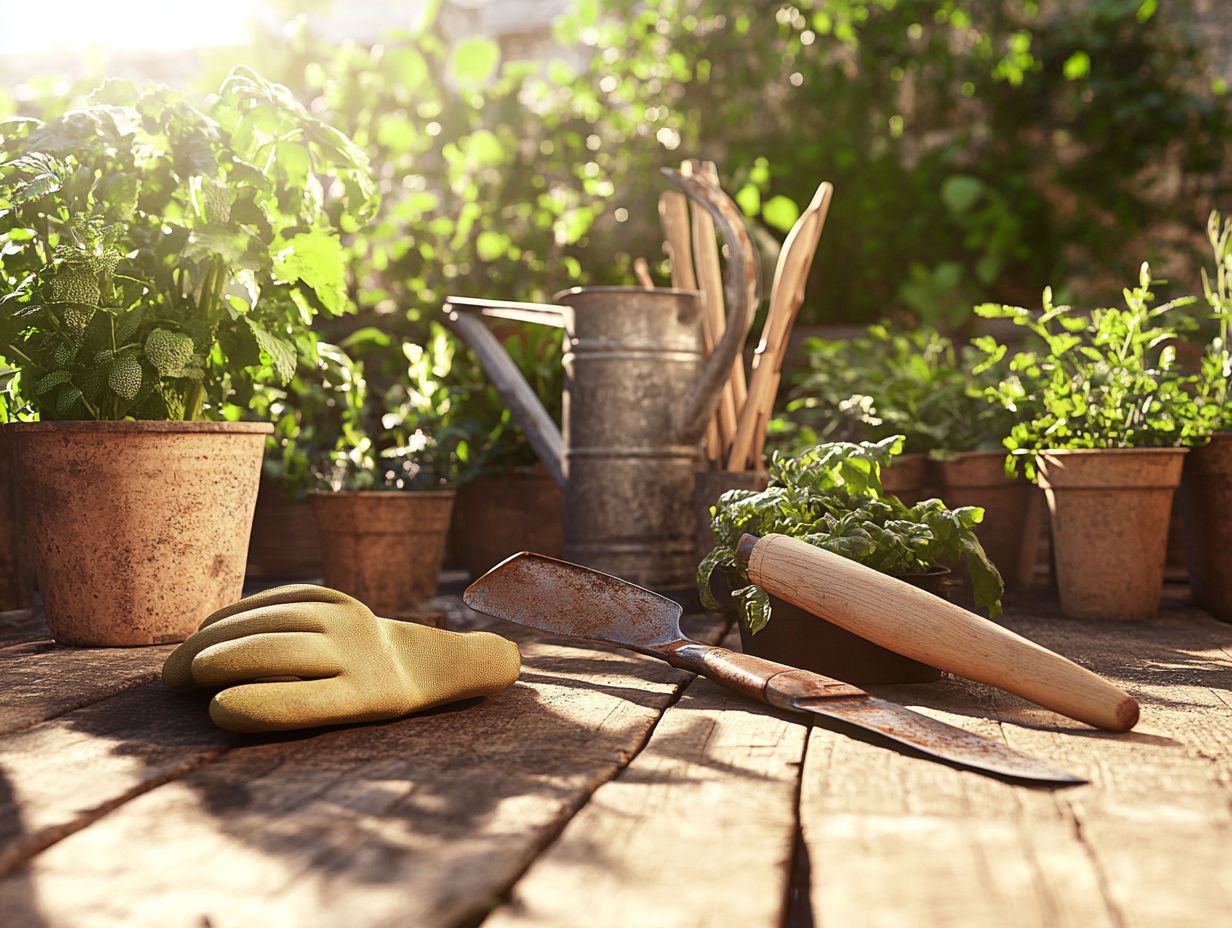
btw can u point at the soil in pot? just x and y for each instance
(1013, 510)
(384, 547)
(1206, 518)
(285, 543)
(499, 515)
(1110, 510)
(137, 530)
(799, 638)
(908, 477)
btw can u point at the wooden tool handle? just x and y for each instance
(903, 618)
(755, 677)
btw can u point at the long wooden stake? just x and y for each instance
(786, 297)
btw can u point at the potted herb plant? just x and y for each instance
(832, 496)
(1206, 483)
(383, 516)
(323, 400)
(1105, 437)
(154, 259)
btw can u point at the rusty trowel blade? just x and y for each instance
(567, 599)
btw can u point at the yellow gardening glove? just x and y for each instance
(300, 656)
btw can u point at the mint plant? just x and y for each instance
(831, 496)
(156, 258)
(1104, 380)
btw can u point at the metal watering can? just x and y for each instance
(639, 393)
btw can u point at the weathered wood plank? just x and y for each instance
(423, 821)
(1143, 844)
(42, 681)
(698, 830)
(18, 626)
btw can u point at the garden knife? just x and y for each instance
(927, 628)
(577, 602)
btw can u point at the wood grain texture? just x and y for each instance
(42, 681)
(423, 821)
(697, 830)
(913, 622)
(1143, 844)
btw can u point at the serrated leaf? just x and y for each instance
(50, 381)
(281, 353)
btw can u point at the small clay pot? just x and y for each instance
(1206, 518)
(498, 515)
(1110, 510)
(384, 547)
(907, 477)
(799, 638)
(708, 486)
(137, 530)
(285, 543)
(1013, 510)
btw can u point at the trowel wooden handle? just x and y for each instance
(903, 618)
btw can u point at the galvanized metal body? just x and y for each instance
(639, 392)
(568, 599)
(630, 356)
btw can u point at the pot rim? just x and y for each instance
(141, 426)
(1054, 452)
(382, 494)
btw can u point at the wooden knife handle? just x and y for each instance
(755, 677)
(915, 623)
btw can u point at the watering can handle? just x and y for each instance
(742, 290)
(465, 316)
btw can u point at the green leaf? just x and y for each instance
(50, 381)
(281, 353)
(1077, 66)
(960, 191)
(474, 60)
(317, 260)
(780, 213)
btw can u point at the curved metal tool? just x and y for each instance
(577, 602)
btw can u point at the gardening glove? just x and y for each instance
(300, 656)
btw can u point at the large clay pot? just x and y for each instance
(15, 578)
(798, 638)
(285, 544)
(499, 515)
(384, 547)
(1012, 510)
(137, 530)
(1206, 517)
(907, 477)
(1110, 510)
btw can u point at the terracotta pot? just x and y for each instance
(1013, 510)
(137, 530)
(384, 547)
(1110, 510)
(285, 543)
(15, 577)
(798, 638)
(708, 486)
(499, 515)
(907, 477)
(1206, 516)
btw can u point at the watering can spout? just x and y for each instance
(742, 290)
(465, 316)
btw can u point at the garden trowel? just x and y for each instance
(577, 602)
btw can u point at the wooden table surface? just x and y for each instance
(606, 788)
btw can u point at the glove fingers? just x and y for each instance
(256, 707)
(283, 654)
(302, 617)
(283, 595)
